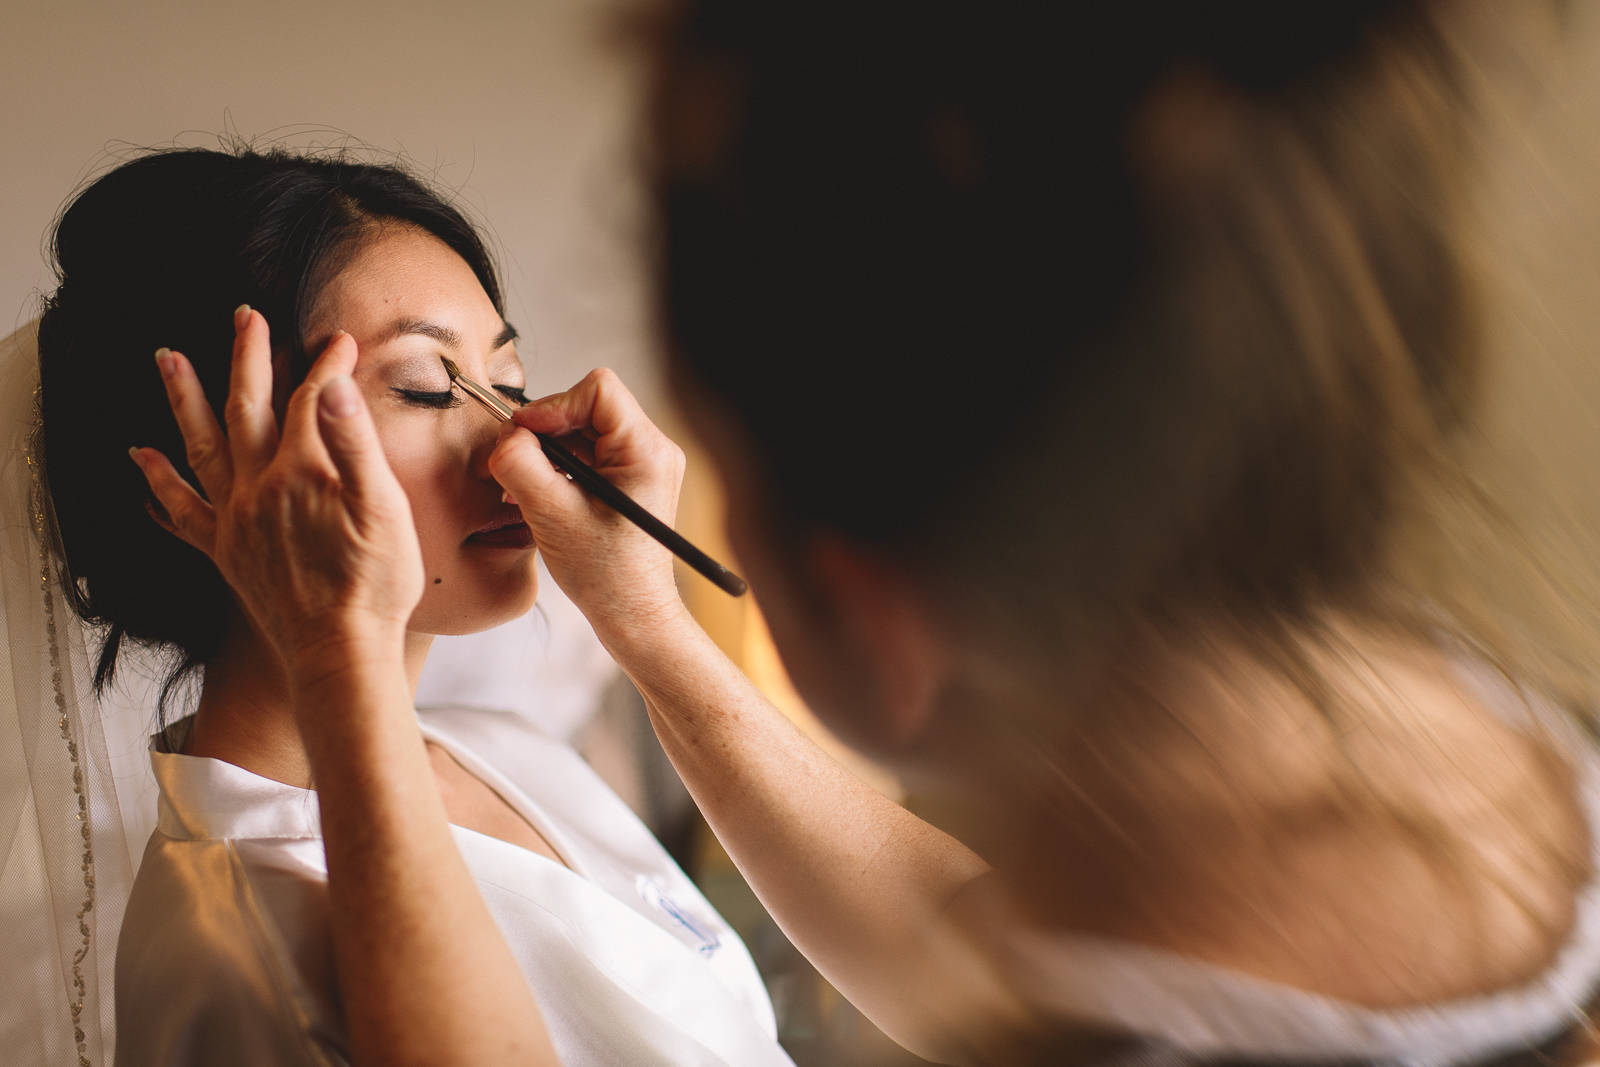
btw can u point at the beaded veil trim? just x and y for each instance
(42, 531)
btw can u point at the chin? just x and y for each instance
(474, 611)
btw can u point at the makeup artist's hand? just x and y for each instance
(618, 576)
(309, 526)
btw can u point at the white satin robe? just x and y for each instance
(225, 955)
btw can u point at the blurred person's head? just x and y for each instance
(1021, 345)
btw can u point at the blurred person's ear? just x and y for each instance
(894, 643)
(854, 632)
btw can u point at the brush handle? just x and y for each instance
(597, 486)
(630, 509)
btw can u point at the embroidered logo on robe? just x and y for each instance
(701, 938)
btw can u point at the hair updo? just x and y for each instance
(1167, 311)
(159, 252)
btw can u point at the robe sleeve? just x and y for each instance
(203, 975)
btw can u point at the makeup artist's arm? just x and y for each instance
(858, 883)
(315, 536)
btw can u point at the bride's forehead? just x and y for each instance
(406, 274)
(407, 262)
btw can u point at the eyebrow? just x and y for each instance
(444, 334)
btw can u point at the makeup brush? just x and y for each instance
(585, 476)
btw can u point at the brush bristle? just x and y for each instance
(450, 367)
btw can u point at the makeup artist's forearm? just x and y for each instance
(424, 973)
(856, 881)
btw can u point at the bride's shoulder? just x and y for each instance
(218, 955)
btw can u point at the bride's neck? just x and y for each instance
(244, 716)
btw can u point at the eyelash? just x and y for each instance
(452, 398)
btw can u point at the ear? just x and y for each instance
(888, 623)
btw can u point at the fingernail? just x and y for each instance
(505, 497)
(241, 317)
(338, 396)
(133, 454)
(165, 362)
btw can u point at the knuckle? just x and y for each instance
(603, 383)
(277, 484)
(186, 521)
(238, 408)
(300, 480)
(666, 451)
(200, 454)
(271, 483)
(165, 498)
(320, 480)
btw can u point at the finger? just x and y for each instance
(601, 407)
(533, 483)
(351, 439)
(579, 444)
(572, 411)
(187, 515)
(252, 427)
(204, 445)
(300, 431)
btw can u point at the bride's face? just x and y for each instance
(408, 299)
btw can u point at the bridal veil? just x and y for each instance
(75, 791)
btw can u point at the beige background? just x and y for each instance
(521, 107)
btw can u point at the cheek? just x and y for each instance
(465, 591)
(433, 481)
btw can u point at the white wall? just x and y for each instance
(523, 107)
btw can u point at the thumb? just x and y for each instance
(556, 415)
(351, 440)
(519, 464)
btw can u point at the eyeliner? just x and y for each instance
(597, 486)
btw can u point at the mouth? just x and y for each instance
(505, 530)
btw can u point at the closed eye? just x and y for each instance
(453, 398)
(426, 399)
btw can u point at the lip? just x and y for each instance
(505, 530)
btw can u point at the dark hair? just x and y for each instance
(1073, 332)
(159, 252)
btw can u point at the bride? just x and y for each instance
(227, 951)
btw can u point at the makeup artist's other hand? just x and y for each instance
(614, 572)
(310, 527)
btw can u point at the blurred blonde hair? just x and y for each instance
(1496, 541)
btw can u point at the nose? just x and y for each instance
(485, 435)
